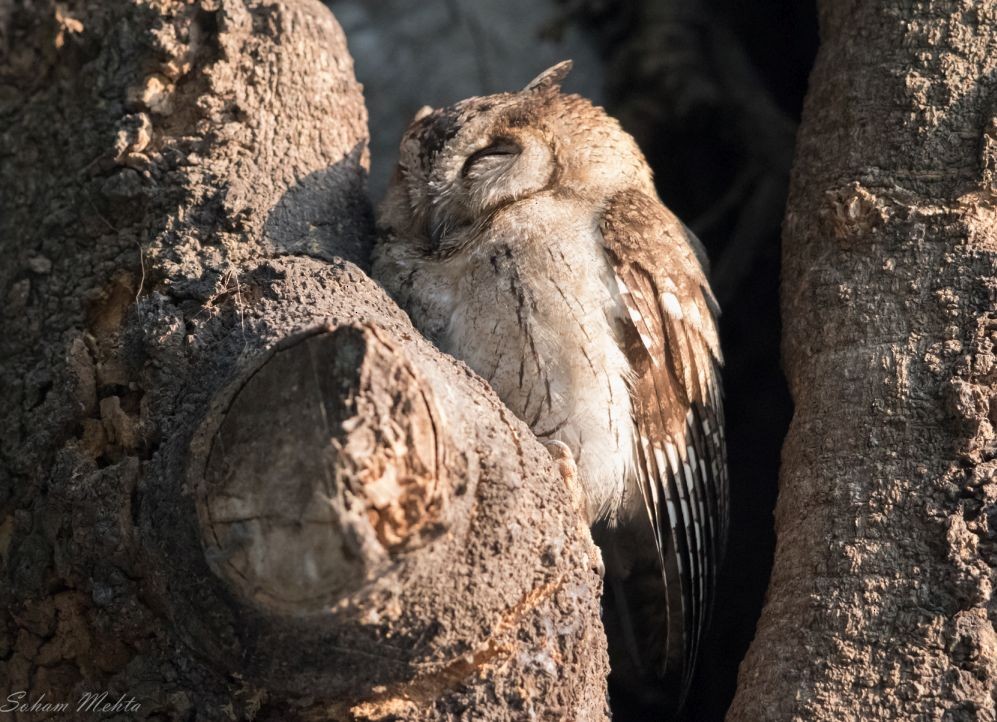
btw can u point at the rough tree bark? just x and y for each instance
(881, 599)
(235, 482)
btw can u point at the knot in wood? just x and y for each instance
(325, 465)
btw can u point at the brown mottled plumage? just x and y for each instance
(523, 234)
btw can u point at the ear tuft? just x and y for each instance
(421, 113)
(550, 79)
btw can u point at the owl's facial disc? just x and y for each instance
(460, 164)
(483, 169)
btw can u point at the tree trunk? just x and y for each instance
(235, 482)
(880, 604)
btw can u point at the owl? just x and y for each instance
(523, 234)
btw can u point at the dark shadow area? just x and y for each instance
(713, 93)
(307, 221)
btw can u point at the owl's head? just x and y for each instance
(457, 165)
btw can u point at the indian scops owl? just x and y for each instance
(523, 234)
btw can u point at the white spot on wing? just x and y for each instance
(694, 316)
(670, 302)
(673, 459)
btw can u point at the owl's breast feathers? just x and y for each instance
(673, 348)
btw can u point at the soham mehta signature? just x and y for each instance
(96, 702)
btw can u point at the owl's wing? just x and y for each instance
(673, 347)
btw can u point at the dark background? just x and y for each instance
(712, 90)
(718, 127)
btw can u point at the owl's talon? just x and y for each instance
(565, 461)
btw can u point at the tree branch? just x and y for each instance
(237, 481)
(880, 604)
